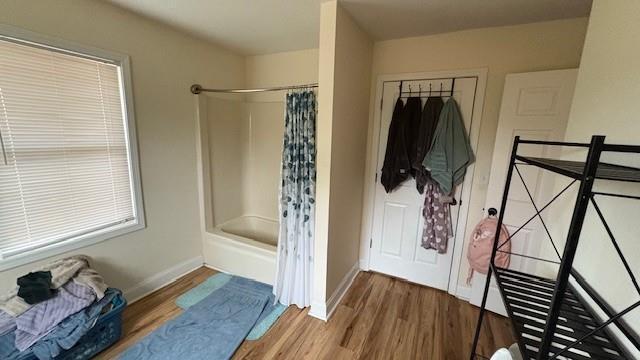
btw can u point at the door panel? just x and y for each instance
(397, 220)
(535, 106)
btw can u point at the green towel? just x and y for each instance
(450, 152)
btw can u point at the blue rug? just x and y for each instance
(213, 328)
(269, 316)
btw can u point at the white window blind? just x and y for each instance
(65, 169)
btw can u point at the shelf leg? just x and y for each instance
(503, 205)
(573, 237)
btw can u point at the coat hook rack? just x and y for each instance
(439, 92)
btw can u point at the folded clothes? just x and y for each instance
(62, 337)
(35, 287)
(68, 332)
(40, 319)
(74, 268)
(7, 323)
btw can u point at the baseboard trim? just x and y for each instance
(215, 268)
(155, 282)
(364, 264)
(324, 311)
(318, 310)
(463, 292)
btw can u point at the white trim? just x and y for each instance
(364, 265)
(463, 292)
(164, 278)
(69, 245)
(123, 62)
(318, 310)
(371, 166)
(324, 311)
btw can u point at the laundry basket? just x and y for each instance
(105, 332)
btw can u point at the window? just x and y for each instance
(68, 171)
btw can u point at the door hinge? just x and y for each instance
(381, 100)
(376, 179)
(370, 243)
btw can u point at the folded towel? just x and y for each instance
(74, 267)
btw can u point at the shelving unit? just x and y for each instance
(550, 318)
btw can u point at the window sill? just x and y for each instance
(70, 245)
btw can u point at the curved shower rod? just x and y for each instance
(197, 89)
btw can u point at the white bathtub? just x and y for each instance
(244, 246)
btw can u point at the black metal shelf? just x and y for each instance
(527, 299)
(574, 169)
(550, 318)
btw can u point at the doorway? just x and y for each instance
(393, 222)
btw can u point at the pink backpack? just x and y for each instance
(481, 245)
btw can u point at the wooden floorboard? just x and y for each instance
(380, 317)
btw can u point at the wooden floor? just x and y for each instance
(379, 318)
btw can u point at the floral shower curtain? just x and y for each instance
(297, 201)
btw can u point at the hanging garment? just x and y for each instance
(297, 201)
(437, 219)
(450, 152)
(412, 115)
(430, 116)
(395, 168)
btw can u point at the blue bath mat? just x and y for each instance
(211, 329)
(269, 316)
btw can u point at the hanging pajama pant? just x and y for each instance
(437, 219)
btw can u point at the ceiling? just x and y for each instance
(254, 27)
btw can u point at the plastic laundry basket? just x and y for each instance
(105, 332)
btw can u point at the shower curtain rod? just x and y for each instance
(197, 89)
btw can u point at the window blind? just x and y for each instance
(65, 167)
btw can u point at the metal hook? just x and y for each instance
(420, 90)
(429, 89)
(440, 88)
(410, 90)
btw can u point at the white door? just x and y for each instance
(397, 219)
(535, 106)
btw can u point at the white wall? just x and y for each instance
(502, 50)
(606, 103)
(345, 63)
(164, 64)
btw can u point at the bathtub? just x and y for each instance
(244, 246)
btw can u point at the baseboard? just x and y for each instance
(318, 310)
(161, 279)
(324, 311)
(463, 292)
(364, 264)
(218, 269)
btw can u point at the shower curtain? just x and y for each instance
(297, 201)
